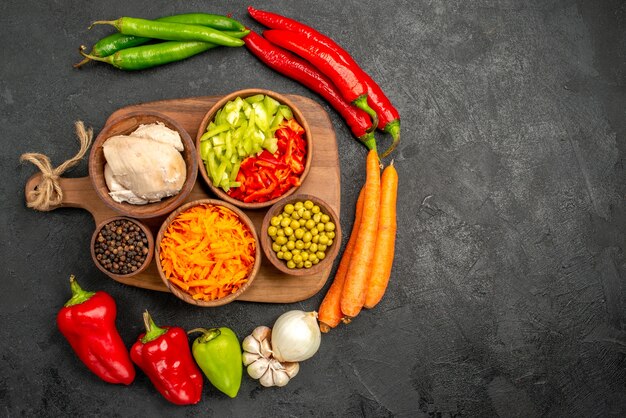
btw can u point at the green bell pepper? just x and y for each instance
(218, 353)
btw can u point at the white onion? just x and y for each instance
(296, 336)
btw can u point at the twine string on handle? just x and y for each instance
(48, 192)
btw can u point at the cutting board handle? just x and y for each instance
(76, 193)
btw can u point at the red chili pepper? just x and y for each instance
(164, 355)
(87, 321)
(388, 116)
(297, 69)
(347, 78)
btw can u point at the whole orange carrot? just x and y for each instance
(385, 242)
(329, 313)
(355, 286)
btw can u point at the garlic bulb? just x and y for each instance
(296, 336)
(145, 166)
(257, 357)
(257, 369)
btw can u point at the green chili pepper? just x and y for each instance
(147, 56)
(218, 22)
(170, 31)
(117, 41)
(218, 353)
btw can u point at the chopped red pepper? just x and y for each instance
(267, 176)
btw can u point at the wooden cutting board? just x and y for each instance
(324, 181)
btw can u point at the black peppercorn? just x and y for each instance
(115, 245)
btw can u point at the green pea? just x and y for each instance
(291, 264)
(308, 264)
(301, 212)
(287, 256)
(321, 227)
(330, 234)
(295, 216)
(307, 214)
(323, 240)
(281, 240)
(297, 259)
(315, 209)
(313, 258)
(316, 239)
(307, 236)
(284, 248)
(299, 244)
(280, 233)
(325, 218)
(330, 242)
(300, 265)
(271, 231)
(295, 251)
(321, 247)
(320, 255)
(330, 227)
(292, 238)
(298, 205)
(280, 255)
(304, 255)
(302, 221)
(315, 261)
(288, 231)
(307, 245)
(299, 233)
(288, 208)
(313, 248)
(275, 221)
(294, 224)
(290, 245)
(314, 231)
(317, 218)
(310, 224)
(285, 222)
(275, 247)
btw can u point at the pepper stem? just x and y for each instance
(104, 22)
(78, 294)
(91, 57)
(392, 128)
(88, 58)
(369, 140)
(361, 103)
(152, 331)
(207, 334)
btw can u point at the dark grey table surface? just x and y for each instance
(507, 296)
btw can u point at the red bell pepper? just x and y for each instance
(87, 321)
(163, 354)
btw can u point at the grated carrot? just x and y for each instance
(208, 252)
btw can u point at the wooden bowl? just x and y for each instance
(331, 252)
(150, 244)
(181, 294)
(243, 94)
(123, 126)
